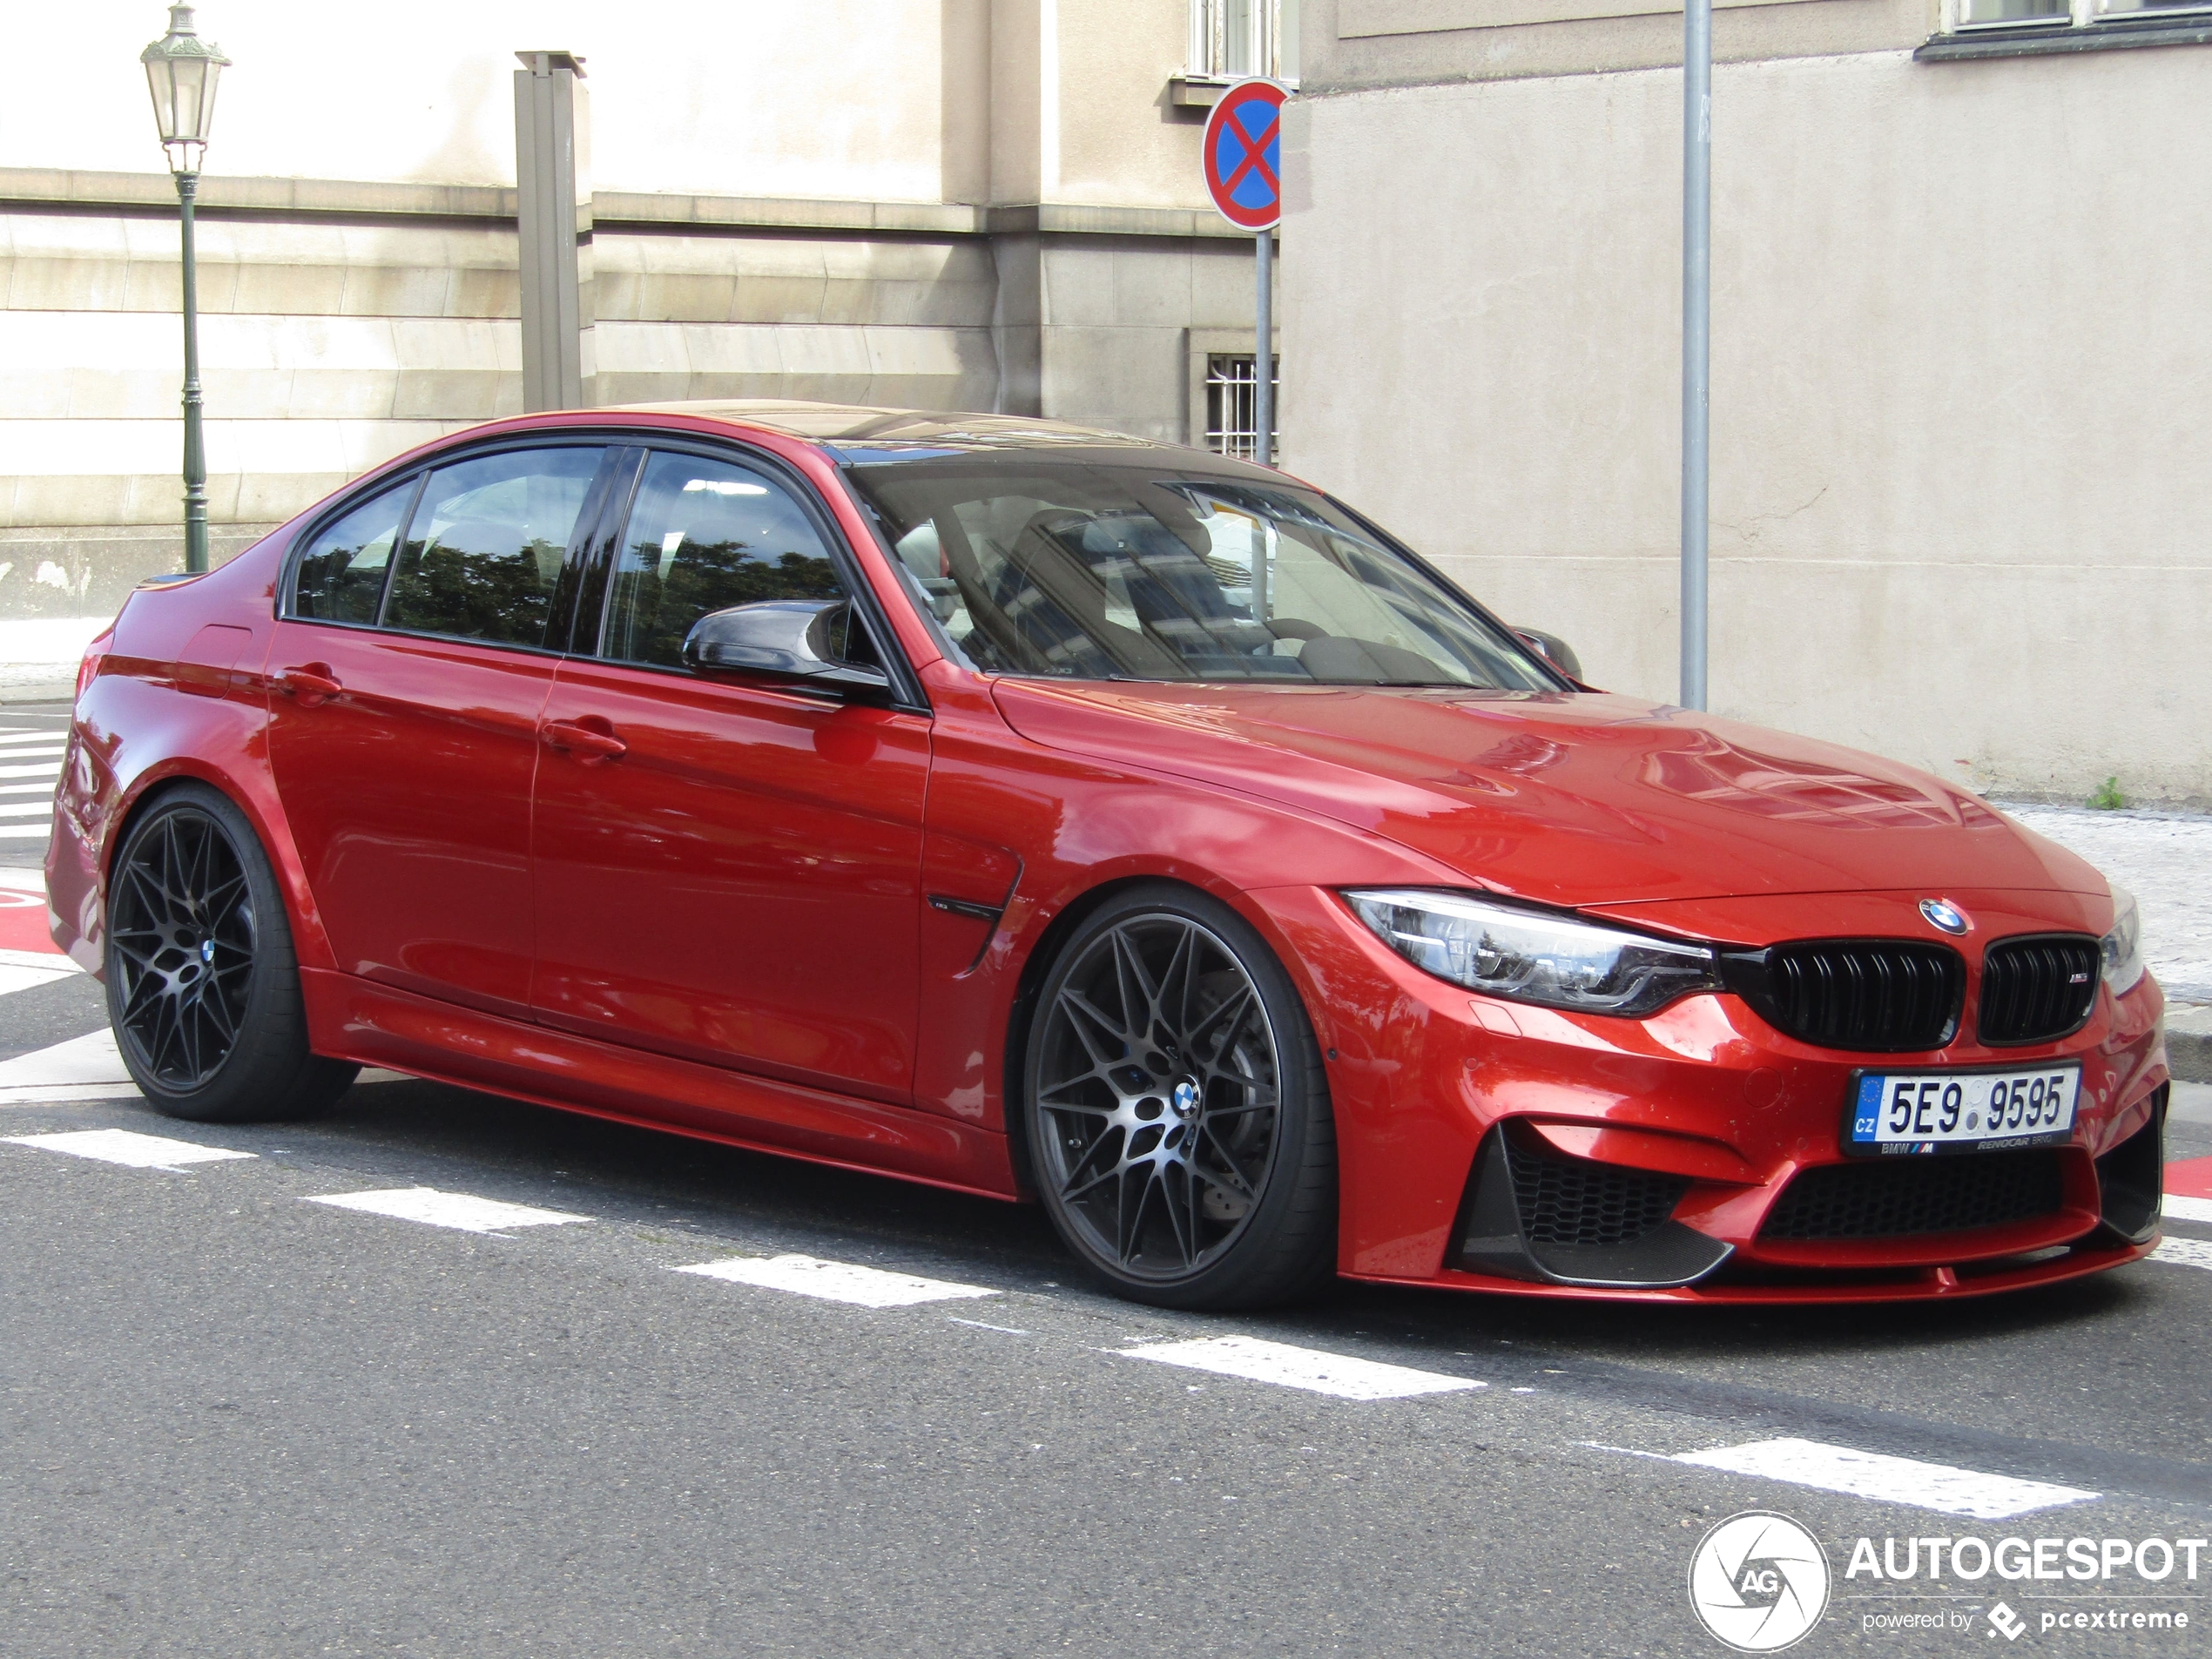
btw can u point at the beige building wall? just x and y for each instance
(1962, 374)
(948, 204)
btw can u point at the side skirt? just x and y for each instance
(350, 1018)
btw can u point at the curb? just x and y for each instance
(2188, 1043)
(2189, 1056)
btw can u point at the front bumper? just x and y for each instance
(1704, 1116)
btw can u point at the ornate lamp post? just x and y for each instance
(181, 72)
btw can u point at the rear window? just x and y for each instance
(341, 577)
(484, 548)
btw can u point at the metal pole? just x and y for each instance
(195, 451)
(1696, 334)
(1263, 356)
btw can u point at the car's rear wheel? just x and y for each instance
(1176, 1109)
(202, 988)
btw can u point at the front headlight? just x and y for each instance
(2122, 948)
(1528, 956)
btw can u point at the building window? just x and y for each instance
(1230, 418)
(1231, 39)
(1977, 15)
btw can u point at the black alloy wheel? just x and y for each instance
(202, 990)
(1176, 1107)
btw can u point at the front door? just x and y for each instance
(403, 731)
(727, 870)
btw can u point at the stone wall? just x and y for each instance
(1962, 370)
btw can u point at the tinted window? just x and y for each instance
(484, 549)
(1109, 568)
(341, 577)
(706, 536)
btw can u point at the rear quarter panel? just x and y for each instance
(182, 693)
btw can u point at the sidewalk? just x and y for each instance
(38, 655)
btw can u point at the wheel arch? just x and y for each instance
(164, 777)
(1045, 950)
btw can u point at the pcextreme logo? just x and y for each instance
(1758, 1582)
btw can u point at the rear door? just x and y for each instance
(410, 667)
(728, 869)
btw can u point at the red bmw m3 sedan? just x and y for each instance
(1053, 816)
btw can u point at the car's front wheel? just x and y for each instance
(202, 988)
(1177, 1108)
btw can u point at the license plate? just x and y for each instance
(1962, 1112)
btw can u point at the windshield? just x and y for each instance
(1125, 567)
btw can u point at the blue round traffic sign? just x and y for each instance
(1243, 155)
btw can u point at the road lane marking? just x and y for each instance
(459, 1211)
(128, 1148)
(1891, 1480)
(20, 976)
(49, 961)
(2184, 1252)
(2180, 1208)
(868, 1287)
(85, 1067)
(1291, 1367)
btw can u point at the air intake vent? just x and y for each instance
(1861, 995)
(1901, 1198)
(1574, 1201)
(2038, 989)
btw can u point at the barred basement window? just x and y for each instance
(1977, 15)
(1230, 422)
(1231, 39)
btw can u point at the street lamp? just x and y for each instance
(181, 72)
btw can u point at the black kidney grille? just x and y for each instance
(1877, 996)
(1576, 1201)
(1899, 1198)
(2038, 989)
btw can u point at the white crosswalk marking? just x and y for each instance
(129, 1148)
(456, 1210)
(1307, 1368)
(2184, 1252)
(30, 767)
(1893, 1480)
(86, 1068)
(868, 1287)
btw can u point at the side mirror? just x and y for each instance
(792, 639)
(1552, 649)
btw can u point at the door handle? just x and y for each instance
(587, 743)
(312, 682)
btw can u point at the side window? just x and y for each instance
(341, 577)
(706, 536)
(484, 548)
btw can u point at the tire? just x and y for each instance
(1178, 1117)
(203, 991)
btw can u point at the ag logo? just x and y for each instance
(1759, 1582)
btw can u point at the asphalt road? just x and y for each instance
(236, 1420)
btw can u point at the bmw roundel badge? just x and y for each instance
(1944, 914)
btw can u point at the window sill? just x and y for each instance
(1190, 91)
(2036, 43)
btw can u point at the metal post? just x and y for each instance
(1263, 356)
(195, 450)
(554, 226)
(1696, 334)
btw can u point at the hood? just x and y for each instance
(1565, 799)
